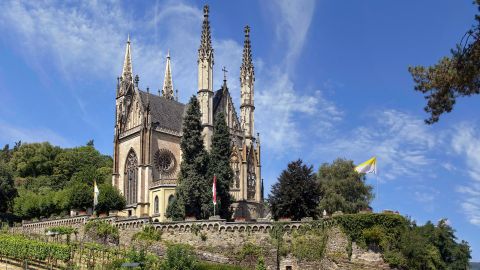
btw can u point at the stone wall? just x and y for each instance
(217, 240)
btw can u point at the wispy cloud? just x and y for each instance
(293, 19)
(10, 133)
(400, 141)
(466, 143)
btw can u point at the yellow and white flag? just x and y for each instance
(95, 193)
(369, 166)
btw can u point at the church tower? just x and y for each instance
(205, 80)
(167, 90)
(247, 78)
(125, 88)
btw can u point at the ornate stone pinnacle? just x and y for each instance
(246, 70)
(205, 11)
(205, 51)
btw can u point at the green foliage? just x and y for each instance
(296, 194)
(148, 233)
(80, 196)
(342, 188)
(309, 245)
(176, 209)
(102, 230)
(63, 230)
(212, 266)
(7, 188)
(109, 199)
(34, 159)
(261, 264)
(19, 247)
(42, 203)
(404, 244)
(179, 257)
(276, 234)
(219, 165)
(452, 77)
(194, 187)
(248, 254)
(51, 180)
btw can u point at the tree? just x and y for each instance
(452, 77)
(109, 199)
(296, 194)
(342, 188)
(81, 196)
(7, 188)
(193, 190)
(219, 165)
(34, 159)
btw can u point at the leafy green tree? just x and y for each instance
(109, 199)
(452, 77)
(220, 165)
(296, 194)
(7, 188)
(179, 257)
(34, 159)
(81, 196)
(193, 190)
(342, 188)
(103, 231)
(82, 162)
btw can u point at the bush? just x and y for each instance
(109, 199)
(179, 257)
(309, 246)
(149, 233)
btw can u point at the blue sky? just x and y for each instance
(331, 81)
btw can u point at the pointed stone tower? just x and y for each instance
(125, 88)
(247, 78)
(205, 80)
(167, 90)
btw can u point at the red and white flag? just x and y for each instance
(214, 189)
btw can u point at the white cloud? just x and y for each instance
(293, 19)
(466, 143)
(400, 141)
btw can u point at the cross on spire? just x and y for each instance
(224, 69)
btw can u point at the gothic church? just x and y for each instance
(148, 130)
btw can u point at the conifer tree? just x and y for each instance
(220, 165)
(193, 190)
(296, 194)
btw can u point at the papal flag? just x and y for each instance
(369, 166)
(95, 193)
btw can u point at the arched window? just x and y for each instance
(155, 205)
(251, 180)
(131, 175)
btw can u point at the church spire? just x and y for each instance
(247, 78)
(205, 80)
(205, 52)
(127, 72)
(167, 90)
(247, 70)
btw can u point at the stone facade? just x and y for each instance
(148, 131)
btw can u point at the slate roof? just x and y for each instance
(166, 113)
(217, 99)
